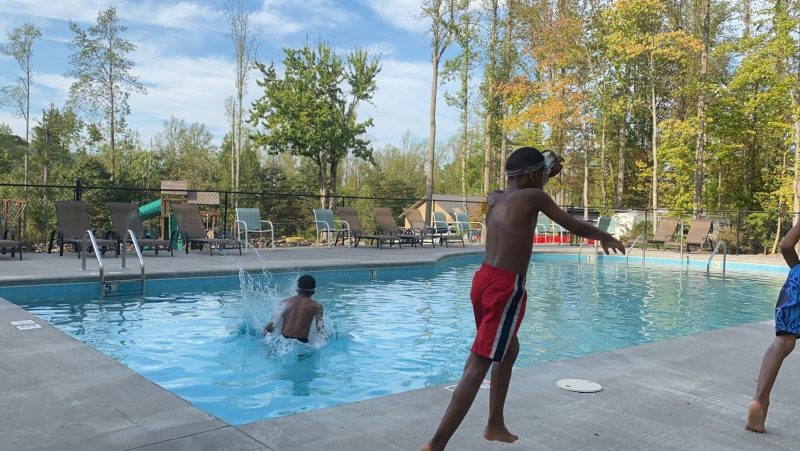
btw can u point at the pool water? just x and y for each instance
(389, 336)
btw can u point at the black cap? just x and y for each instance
(306, 283)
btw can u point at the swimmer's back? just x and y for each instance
(300, 313)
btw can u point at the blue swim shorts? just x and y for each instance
(787, 310)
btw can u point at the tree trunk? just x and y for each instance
(501, 180)
(621, 164)
(490, 72)
(233, 145)
(239, 137)
(333, 180)
(746, 14)
(603, 194)
(719, 189)
(432, 137)
(586, 178)
(796, 181)
(701, 112)
(654, 139)
(464, 130)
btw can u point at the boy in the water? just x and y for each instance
(298, 312)
(498, 288)
(787, 328)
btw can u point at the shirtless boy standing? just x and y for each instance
(298, 312)
(498, 289)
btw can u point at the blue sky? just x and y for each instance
(185, 57)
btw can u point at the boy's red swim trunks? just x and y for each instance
(498, 300)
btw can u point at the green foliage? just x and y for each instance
(309, 113)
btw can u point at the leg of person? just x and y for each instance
(501, 378)
(781, 347)
(474, 371)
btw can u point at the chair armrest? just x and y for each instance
(271, 227)
(346, 224)
(239, 227)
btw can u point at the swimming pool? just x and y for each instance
(409, 328)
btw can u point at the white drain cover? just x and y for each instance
(579, 385)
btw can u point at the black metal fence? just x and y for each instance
(29, 210)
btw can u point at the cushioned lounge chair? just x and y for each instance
(349, 216)
(124, 217)
(249, 222)
(472, 229)
(697, 236)
(72, 222)
(387, 226)
(330, 227)
(192, 230)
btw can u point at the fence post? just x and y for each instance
(738, 229)
(78, 189)
(225, 216)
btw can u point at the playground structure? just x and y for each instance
(177, 191)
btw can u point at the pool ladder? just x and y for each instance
(724, 245)
(109, 285)
(633, 246)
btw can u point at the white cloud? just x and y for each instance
(403, 14)
(182, 15)
(402, 102)
(281, 17)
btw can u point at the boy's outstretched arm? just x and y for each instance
(275, 318)
(788, 244)
(547, 206)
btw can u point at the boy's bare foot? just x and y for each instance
(499, 434)
(756, 417)
(425, 447)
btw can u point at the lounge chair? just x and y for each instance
(548, 227)
(333, 229)
(387, 226)
(9, 244)
(349, 216)
(449, 232)
(248, 221)
(124, 217)
(72, 222)
(472, 229)
(697, 236)
(606, 224)
(422, 230)
(192, 230)
(664, 231)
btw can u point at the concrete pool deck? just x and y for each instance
(684, 393)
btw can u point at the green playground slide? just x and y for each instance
(153, 209)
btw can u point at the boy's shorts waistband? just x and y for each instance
(499, 272)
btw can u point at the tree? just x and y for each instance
(244, 44)
(442, 14)
(309, 112)
(701, 109)
(460, 67)
(490, 95)
(102, 71)
(18, 95)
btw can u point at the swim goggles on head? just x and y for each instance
(547, 165)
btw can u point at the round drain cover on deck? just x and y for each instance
(579, 385)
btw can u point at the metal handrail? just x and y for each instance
(90, 234)
(580, 250)
(633, 246)
(138, 250)
(724, 256)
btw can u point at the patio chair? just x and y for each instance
(9, 244)
(421, 229)
(192, 230)
(124, 217)
(448, 231)
(333, 229)
(248, 221)
(465, 227)
(697, 236)
(387, 226)
(606, 224)
(548, 227)
(72, 222)
(350, 217)
(664, 231)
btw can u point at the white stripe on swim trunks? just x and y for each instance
(503, 318)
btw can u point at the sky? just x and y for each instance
(185, 57)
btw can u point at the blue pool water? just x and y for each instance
(389, 335)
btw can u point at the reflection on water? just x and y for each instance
(388, 336)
